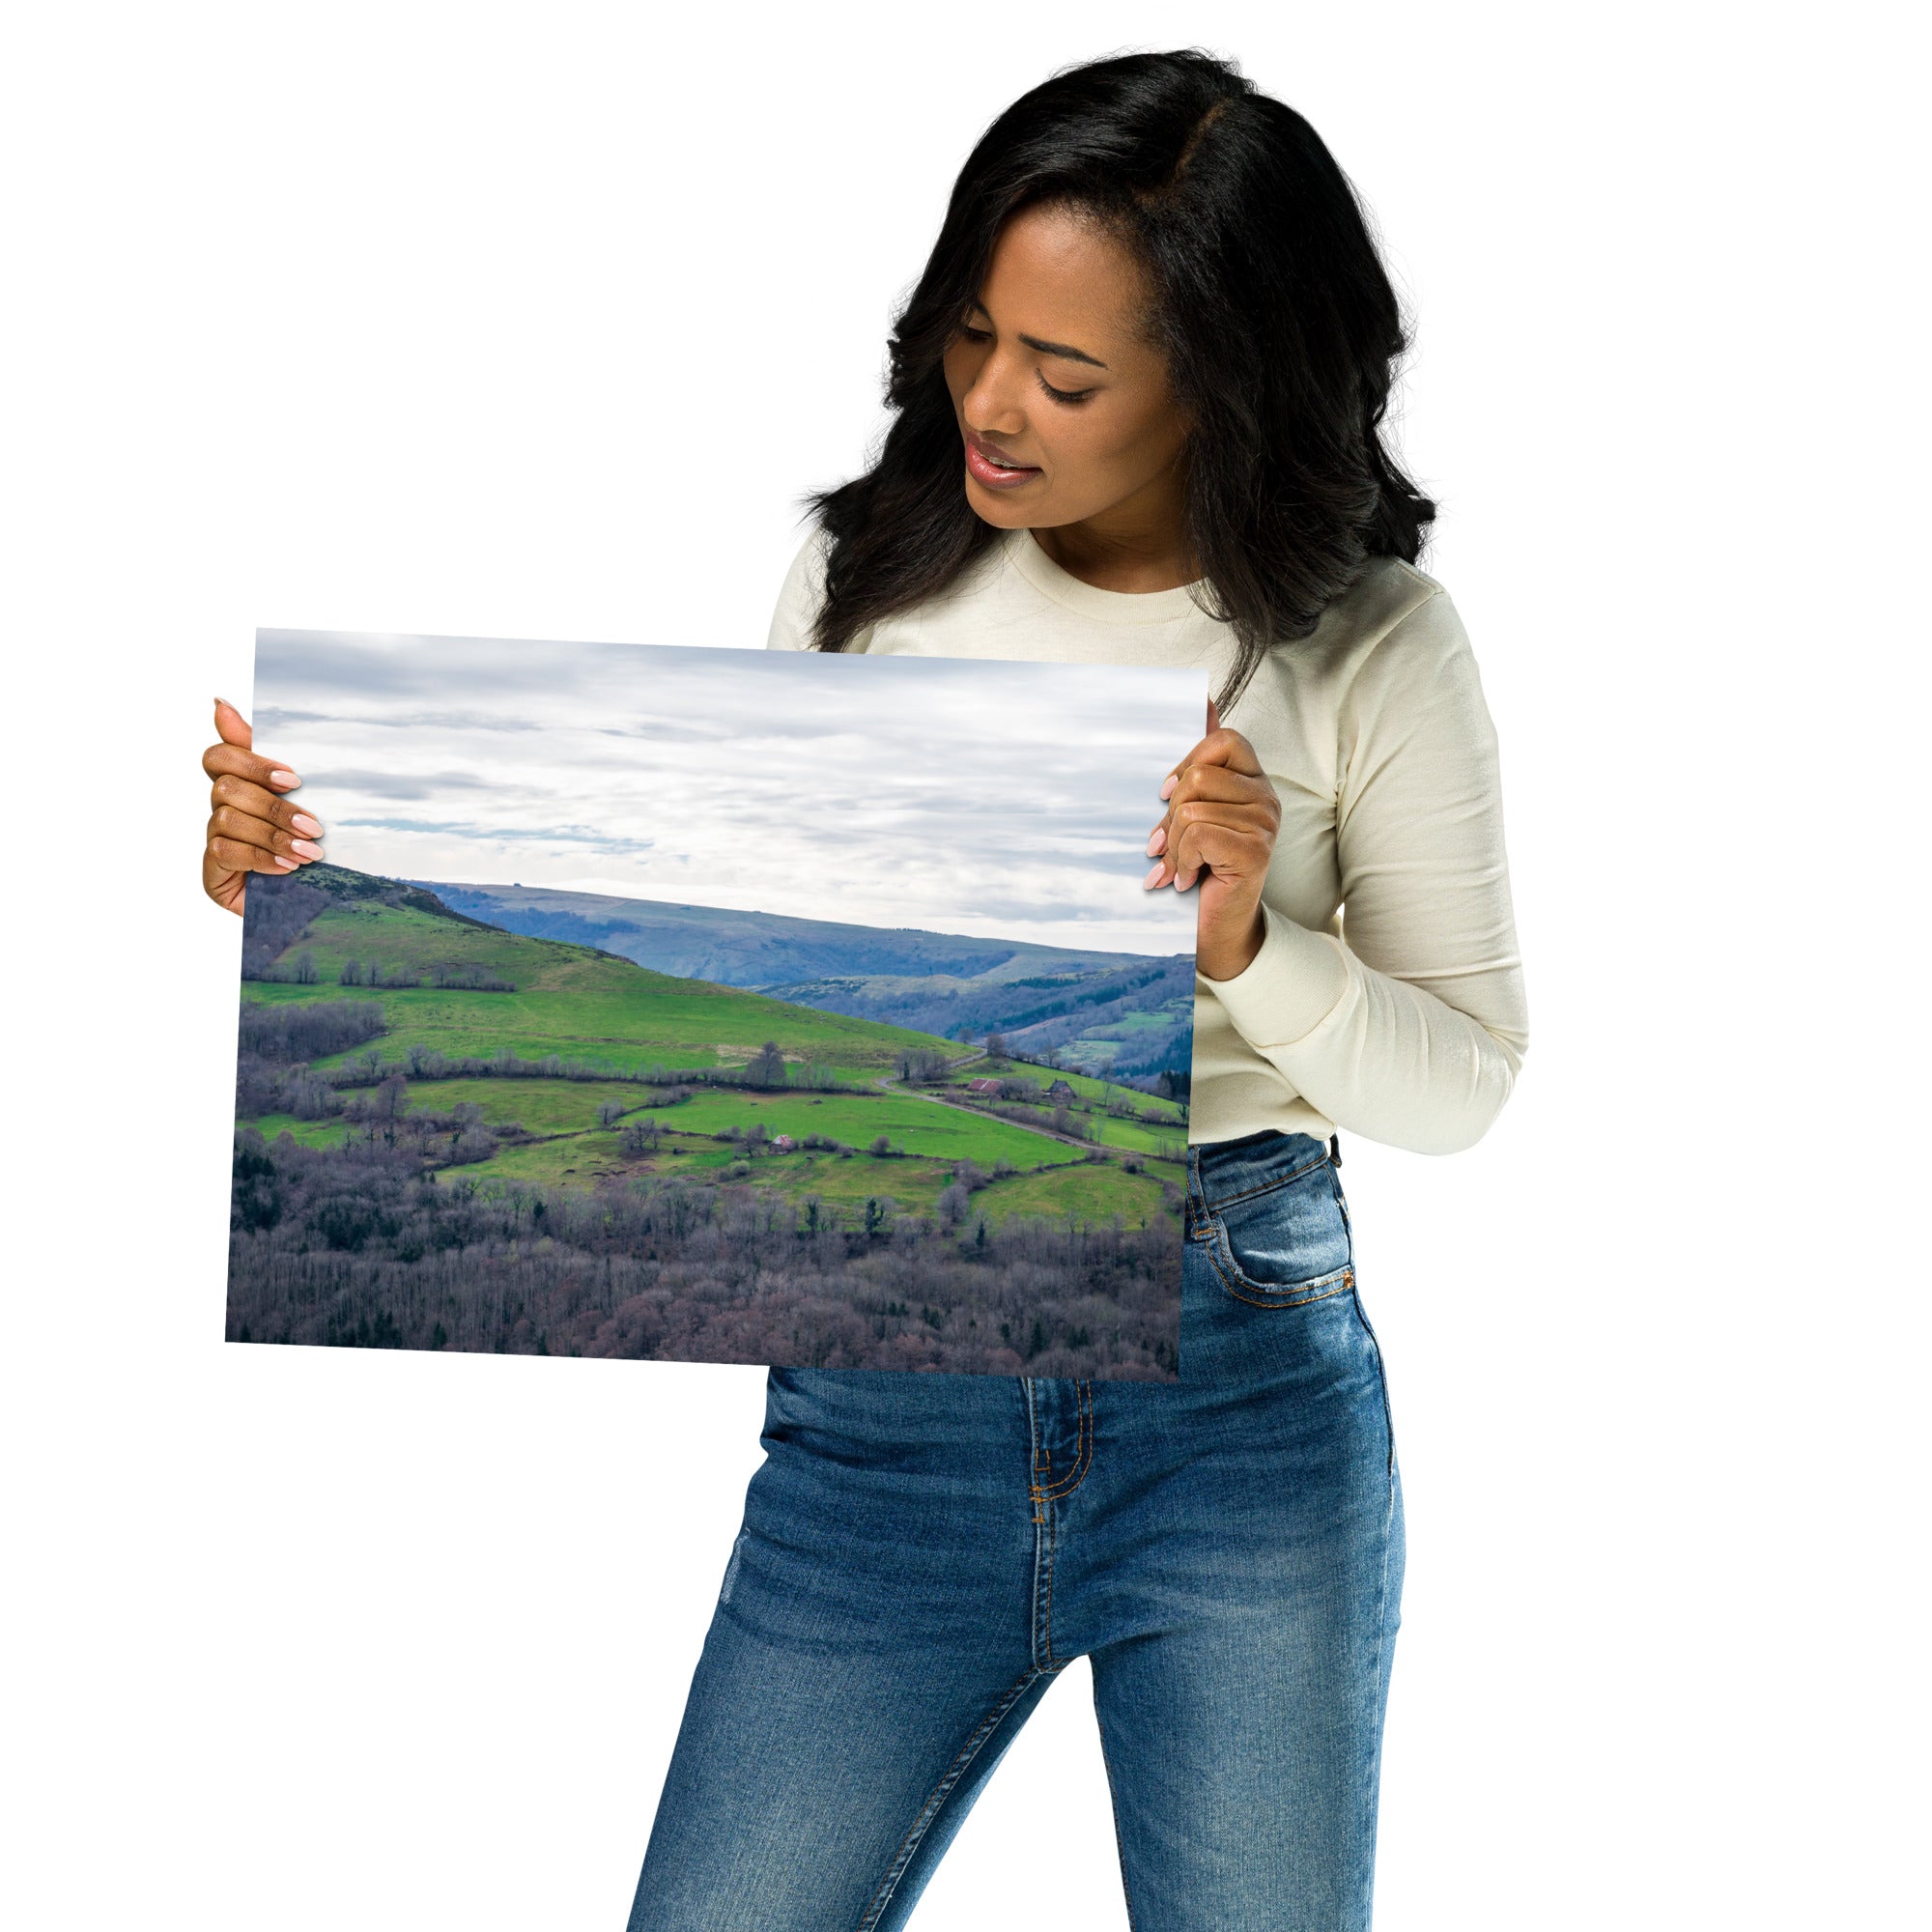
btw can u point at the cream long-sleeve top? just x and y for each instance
(1387, 997)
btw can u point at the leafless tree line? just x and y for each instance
(361, 1246)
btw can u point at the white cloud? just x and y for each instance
(981, 796)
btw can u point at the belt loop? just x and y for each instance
(1335, 1149)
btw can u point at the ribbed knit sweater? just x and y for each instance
(1387, 997)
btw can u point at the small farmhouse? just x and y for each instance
(982, 1085)
(1059, 1090)
(782, 1143)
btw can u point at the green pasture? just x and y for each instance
(570, 1001)
(584, 1006)
(570, 1107)
(1137, 1136)
(1084, 1086)
(1129, 1136)
(543, 1106)
(574, 1161)
(915, 1185)
(306, 1133)
(580, 1160)
(919, 1126)
(1091, 1192)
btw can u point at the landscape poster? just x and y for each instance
(691, 1003)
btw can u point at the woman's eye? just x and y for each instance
(1065, 395)
(969, 334)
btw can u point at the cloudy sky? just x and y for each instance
(1002, 799)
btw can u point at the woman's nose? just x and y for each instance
(990, 405)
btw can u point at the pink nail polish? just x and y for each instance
(1152, 876)
(1167, 788)
(1157, 841)
(306, 848)
(283, 778)
(287, 864)
(309, 827)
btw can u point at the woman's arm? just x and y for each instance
(1411, 1027)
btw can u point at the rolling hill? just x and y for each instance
(513, 1003)
(1129, 1013)
(451, 1134)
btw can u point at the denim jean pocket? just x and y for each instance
(1285, 1242)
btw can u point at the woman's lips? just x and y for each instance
(993, 473)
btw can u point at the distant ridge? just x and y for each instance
(758, 949)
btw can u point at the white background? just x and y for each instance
(534, 322)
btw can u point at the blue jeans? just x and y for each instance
(922, 1554)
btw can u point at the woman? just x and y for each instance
(1137, 396)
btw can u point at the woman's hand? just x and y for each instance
(1222, 816)
(252, 828)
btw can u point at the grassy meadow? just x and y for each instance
(792, 1179)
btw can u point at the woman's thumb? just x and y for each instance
(231, 726)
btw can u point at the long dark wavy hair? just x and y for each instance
(1269, 302)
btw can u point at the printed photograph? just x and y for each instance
(694, 1004)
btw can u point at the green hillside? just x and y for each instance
(570, 1000)
(1096, 1010)
(340, 936)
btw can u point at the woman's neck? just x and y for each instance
(1151, 559)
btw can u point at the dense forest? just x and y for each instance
(365, 1246)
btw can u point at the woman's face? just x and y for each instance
(1048, 373)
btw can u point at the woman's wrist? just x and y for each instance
(1228, 958)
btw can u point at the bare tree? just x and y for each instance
(767, 1067)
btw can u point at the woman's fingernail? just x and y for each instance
(1167, 788)
(309, 827)
(283, 778)
(287, 864)
(1152, 876)
(1157, 841)
(306, 848)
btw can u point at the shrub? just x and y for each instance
(309, 1029)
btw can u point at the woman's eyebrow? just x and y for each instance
(1064, 349)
